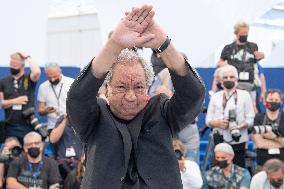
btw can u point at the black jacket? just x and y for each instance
(149, 135)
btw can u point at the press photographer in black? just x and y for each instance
(12, 149)
(268, 130)
(230, 112)
(18, 91)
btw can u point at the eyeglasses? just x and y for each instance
(33, 143)
(51, 64)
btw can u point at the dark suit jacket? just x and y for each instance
(149, 134)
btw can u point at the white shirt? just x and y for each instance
(191, 178)
(244, 111)
(260, 181)
(47, 96)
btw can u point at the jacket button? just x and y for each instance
(122, 179)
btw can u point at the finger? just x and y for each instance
(137, 14)
(132, 13)
(144, 12)
(148, 20)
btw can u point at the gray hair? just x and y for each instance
(126, 56)
(229, 68)
(239, 25)
(273, 165)
(32, 134)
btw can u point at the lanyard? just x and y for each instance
(57, 96)
(225, 100)
(37, 172)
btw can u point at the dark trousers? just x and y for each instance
(240, 151)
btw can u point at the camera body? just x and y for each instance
(29, 115)
(235, 132)
(14, 152)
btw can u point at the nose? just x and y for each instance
(130, 95)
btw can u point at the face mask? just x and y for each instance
(34, 152)
(219, 86)
(222, 163)
(276, 183)
(14, 71)
(229, 84)
(243, 38)
(55, 82)
(273, 106)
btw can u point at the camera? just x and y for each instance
(178, 154)
(29, 115)
(14, 152)
(261, 129)
(235, 132)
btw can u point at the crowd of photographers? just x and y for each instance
(233, 115)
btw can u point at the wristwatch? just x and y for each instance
(164, 46)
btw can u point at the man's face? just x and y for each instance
(229, 77)
(275, 176)
(53, 73)
(16, 64)
(242, 31)
(219, 156)
(127, 91)
(33, 142)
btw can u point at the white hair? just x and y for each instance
(228, 68)
(127, 56)
(32, 134)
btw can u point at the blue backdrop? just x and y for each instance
(274, 79)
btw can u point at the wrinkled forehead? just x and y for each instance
(276, 174)
(32, 139)
(132, 71)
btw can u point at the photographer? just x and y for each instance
(269, 129)
(33, 170)
(230, 112)
(18, 91)
(66, 145)
(11, 149)
(190, 172)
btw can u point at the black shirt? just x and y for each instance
(241, 57)
(11, 88)
(262, 154)
(43, 174)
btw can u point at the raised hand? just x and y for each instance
(130, 31)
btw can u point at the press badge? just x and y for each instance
(274, 151)
(17, 107)
(244, 76)
(70, 152)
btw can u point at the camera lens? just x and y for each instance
(16, 151)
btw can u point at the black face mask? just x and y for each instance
(243, 38)
(273, 106)
(229, 84)
(276, 183)
(219, 86)
(55, 82)
(34, 152)
(222, 163)
(14, 71)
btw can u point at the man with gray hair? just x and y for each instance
(226, 175)
(230, 112)
(129, 140)
(52, 94)
(33, 170)
(271, 177)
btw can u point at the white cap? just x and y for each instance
(224, 147)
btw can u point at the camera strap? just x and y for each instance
(225, 99)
